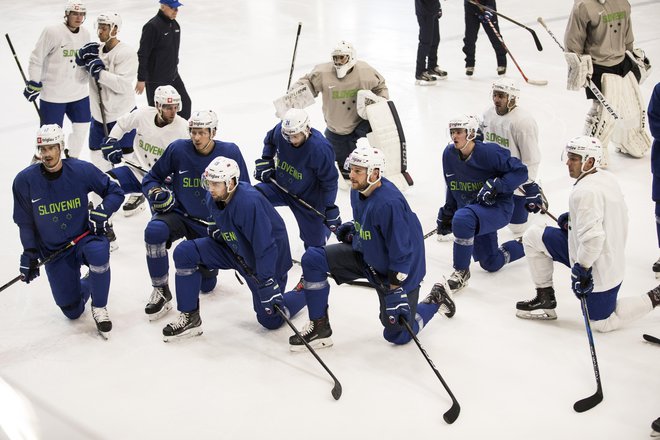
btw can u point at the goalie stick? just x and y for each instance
(650, 338)
(293, 59)
(587, 403)
(536, 38)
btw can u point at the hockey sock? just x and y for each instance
(188, 283)
(99, 282)
(294, 301)
(427, 312)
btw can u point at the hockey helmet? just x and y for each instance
(467, 122)
(75, 6)
(167, 95)
(221, 169)
(586, 147)
(110, 18)
(343, 50)
(50, 134)
(295, 121)
(508, 86)
(204, 119)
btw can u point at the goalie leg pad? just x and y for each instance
(630, 135)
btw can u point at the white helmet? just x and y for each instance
(50, 134)
(167, 95)
(508, 86)
(204, 119)
(342, 49)
(110, 18)
(586, 147)
(75, 6)
(221, 169)
(295, 121)
(369, 158)
(467, 122)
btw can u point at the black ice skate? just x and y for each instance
(542, 306)
(102, 320)
(440, 295)
(112, 238)
(655, 426)
(458, 280)
(186, 325)
(133, 205)
(425, 79)
(317, 334)
(654, 294)
(159, 302)
(656, 268)
(437, 72)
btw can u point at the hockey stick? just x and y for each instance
(543, 208)
(589, 402)
(650, 338)
(536, 38)
(358, 282)
(595, 90)
(20, 69)
(298, 199)
(536, 82)
(136, 166)
(105, 127)
(430, 234)
(452, 414)
(50, 258)
(293, 59)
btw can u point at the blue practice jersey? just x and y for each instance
(308, 171)
(50, 209)
(464, 178)
(185, 165)
(388, 234)
(254, 230)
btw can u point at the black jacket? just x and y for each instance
(158, 55)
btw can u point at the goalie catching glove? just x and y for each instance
(580, 69)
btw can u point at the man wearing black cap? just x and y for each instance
(159, 55)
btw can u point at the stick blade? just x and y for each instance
(589, 402)
(452, 414)
(336, 391)
(538, 82)
(650, 338)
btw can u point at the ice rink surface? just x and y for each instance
(514, 379)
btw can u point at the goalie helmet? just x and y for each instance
(343, 49)
(221, 169)
(110, 18)
(586, 147)
(167, 95)
(50, 134)
(203, 119)
(295, 121)
(467, 122)
(508, 86)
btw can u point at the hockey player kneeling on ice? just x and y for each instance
(246, 234)
(155, 128)
(480, 178)
(300, 160)
(173, 188)
(384, 243)
(591, 240)
(50, 209)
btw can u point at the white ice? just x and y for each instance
(514, 379)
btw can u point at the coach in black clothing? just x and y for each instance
(159, 55)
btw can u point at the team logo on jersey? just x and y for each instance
(290, 169)
(364, 234)
(54, 208)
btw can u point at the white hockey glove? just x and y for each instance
(580, 70)
(365, 98)
(638, 56)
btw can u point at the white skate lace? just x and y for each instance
(308, 328)
(100, 314)
(180, 322)
(156, 295)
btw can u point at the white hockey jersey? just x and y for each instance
(150, 140)
(598, 228)
(53, 63)
(116, 81)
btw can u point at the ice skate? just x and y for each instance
(437, 72)
(654, 295)
(656, 269)
(425, 79)
(458, 280)
(469, 71)
(317, 334)
(655, 426)
(542, 306)
(159, 302)
(440, 295)
(112, 238)
(501, 70)
(102, 320)
(133, 205)
(187, 325)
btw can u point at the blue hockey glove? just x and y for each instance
(396, 305)
(488, 194)
(264, 169)
(94, 67)
(332, 218)
(345, 232)
(32, 90)
(214, 232)
(270, 294)
(111, 151)
(98, 220)
(533, 199)
(29, 267)
(444, 222)
(485, 17)
(582, 281)
(562, 222)
(162, 199)
(87, 53)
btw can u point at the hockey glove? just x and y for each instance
(162, 199)
(444, 222)
(94, 67)
(396, 306)
(562, 222)
(488, 194)
(582, 281)
(345, 232)
(485, 17)
(32, 90)
(533, 198)
(87, 53)
(332, 218)
(98, 220)
(214, 232)
(111, 151)
(264, 169)
(29, 267)
(269, 295)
